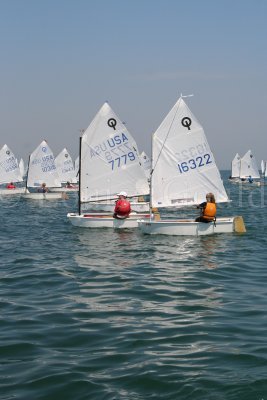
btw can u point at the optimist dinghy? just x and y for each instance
(183, 172)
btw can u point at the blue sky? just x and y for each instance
(62, 59)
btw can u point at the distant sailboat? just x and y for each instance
(9, 172)
(263, 168)
(183, 172)
(235, 168)
(248, 167)
(146, 163)
(42, 169)
(109, 164)
(22, 168)
(66, 172)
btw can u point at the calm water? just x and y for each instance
(98, 314)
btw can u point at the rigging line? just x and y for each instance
(151, 173)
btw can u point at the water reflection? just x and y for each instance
(136, 280)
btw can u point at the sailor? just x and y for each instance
(122, 207)
(250, 179)
(43, 188)
(11, 186)
(208, 209)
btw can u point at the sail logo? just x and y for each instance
(109, 144)
(112, 123)
(186, 122)
(44, 149)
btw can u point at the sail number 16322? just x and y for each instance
(193, 163)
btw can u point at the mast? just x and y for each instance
(150, 180)
(80, 162)
(26, 183)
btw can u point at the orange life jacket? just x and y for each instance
(210, 211)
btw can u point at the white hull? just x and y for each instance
(109, 207)
(45, 196)
(93, 220)
(64, 189)
(246, 182)
(189, 227)
(10, 192)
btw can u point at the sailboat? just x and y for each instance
(146, 164)
(235, 168)
(22, 168)
(109, 164)
(9, 171)
(248, 167)
(183, 172)
(42, 169)
(66, 172)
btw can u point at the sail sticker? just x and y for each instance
(186, 122)
(112, 123)
(194, 163)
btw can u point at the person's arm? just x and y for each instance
(202, 205)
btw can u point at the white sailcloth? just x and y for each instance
(9, 169)
(42, 167)
(109, 160)
(146, 163)
(65, 166)
(235, 173)
(76, 170)
(263, 167)
(22, 167)
(248, 166)
(183, 166)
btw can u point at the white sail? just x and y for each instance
(183, 166)
(235, 172)
(65, 166)
(146, 163)
(109, 160)
(22, 167)
(76, 170)
(42, 167)
(263, 167)
(248, 166)
(9, 169)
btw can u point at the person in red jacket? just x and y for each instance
(11, 186)
(122, 207)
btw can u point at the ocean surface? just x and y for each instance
(103, 314)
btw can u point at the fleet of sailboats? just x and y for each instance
(245, 169)
(181, 171)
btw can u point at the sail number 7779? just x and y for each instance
(122, 160)
(193, 163)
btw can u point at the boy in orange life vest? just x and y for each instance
(123, 207)
(208, 209)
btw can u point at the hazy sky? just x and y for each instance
(62, 59)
